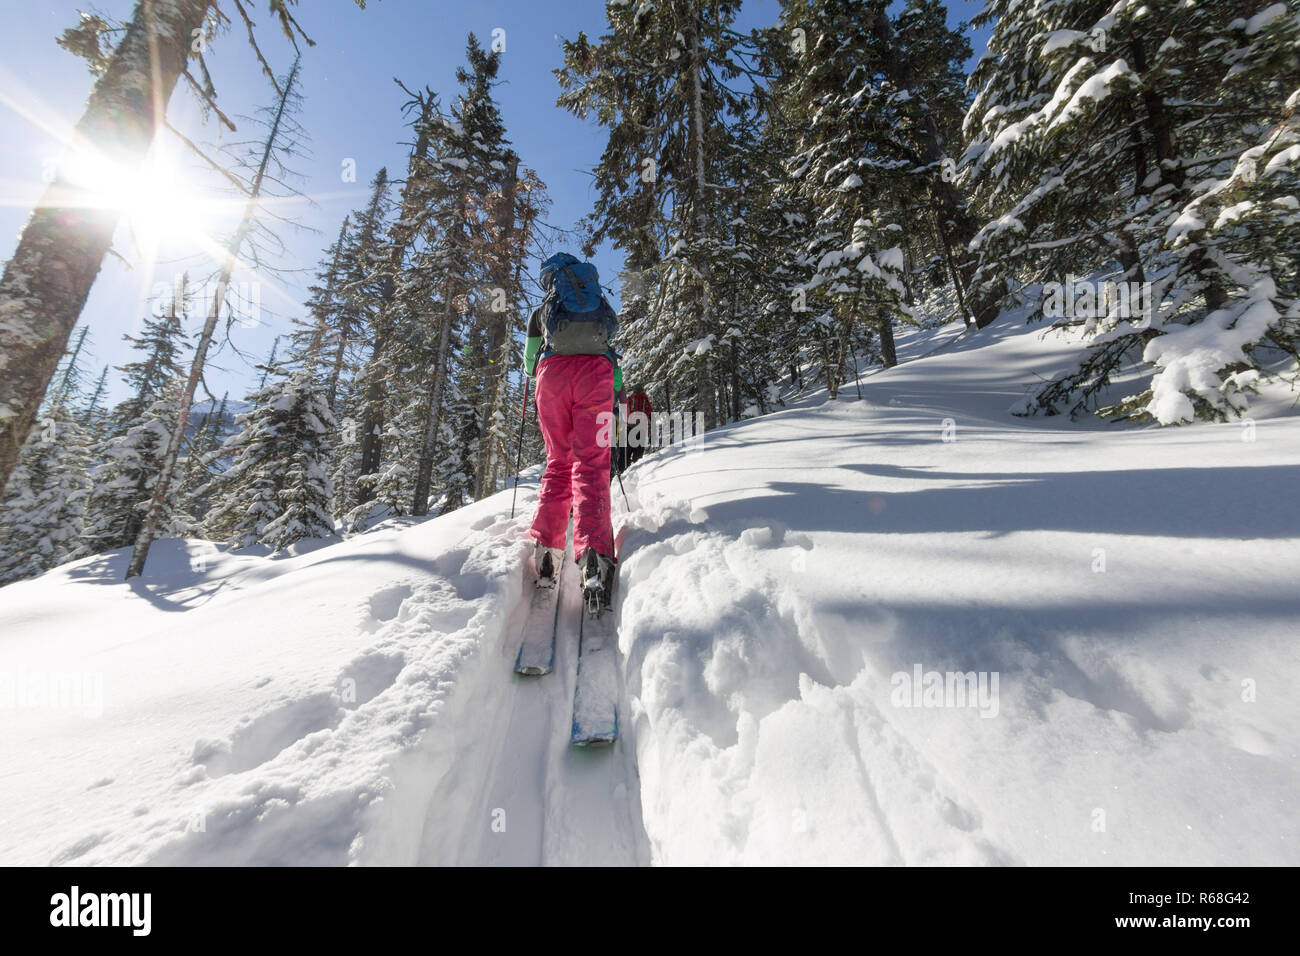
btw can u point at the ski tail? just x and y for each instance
(536, 655)
(595, 696)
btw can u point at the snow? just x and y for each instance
(700, 346)
(1190, 356)
(345, 705)
(1095, 88)
(1284, 158)
(1266, 16)
(904, 629)
(1059, 39)
(891, 259)
(1231, 214)
(764, 636)
(1187, 222)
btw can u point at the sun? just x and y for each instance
(155, 202)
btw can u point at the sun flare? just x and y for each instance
(155, 202)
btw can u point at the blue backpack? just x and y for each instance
(576, 318)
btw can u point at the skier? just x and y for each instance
(570, 351)
(639, 410)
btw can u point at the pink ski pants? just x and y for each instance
(572, 390)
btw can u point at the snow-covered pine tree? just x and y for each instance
(393, 306)
(360, 293)
(453, 480)
(451, 262)
(129, 454)
(1153, 143)
(202, 462)
(658, 81)
(391, 489)
(488, 184)
(277, 491)
(161, 345)
(42, 514)
(869, 105)
(770, 220)
(43, 511)
(130, 462)
(345, 457)
(739, 267)
(358, 296)
(499, 310)
(527, 206)
(429, 351)
(304, 493)
(313, 338)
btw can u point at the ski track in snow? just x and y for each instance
(555, 805)
(413, 749)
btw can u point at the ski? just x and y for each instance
(537, 649)
(595, 697)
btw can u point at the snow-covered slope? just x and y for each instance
(1132, 591)
(1122, 599)
(350, 705)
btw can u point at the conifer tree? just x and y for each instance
(44, 506)
(1155, 144)
(277, 491)
(658, 81)
(130, 463)
(129, 455)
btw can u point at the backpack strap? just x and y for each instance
(549, 303)
(576, 286)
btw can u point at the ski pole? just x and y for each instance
(519, 458)
(619, 476)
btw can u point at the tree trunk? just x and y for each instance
(704, 382)
(735, 385)
(372, 427)
(162, 489)
(1172, 172)
(433, 405)
(433, 413)
(63, 245)
(364, 244)
(331, 281)
(498, 339)
(400, 237)
(888, 352)
(828, 363)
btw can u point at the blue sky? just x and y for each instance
(352, 110)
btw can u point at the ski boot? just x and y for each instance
(546, 562)
(597, 581)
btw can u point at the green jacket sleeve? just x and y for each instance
(531, 348)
